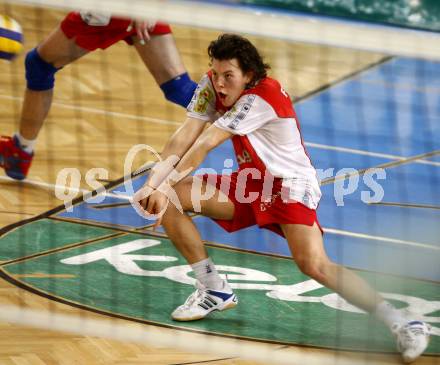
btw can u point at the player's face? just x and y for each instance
(229, 80)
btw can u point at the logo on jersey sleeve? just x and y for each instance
(204, 98)
(237, 115)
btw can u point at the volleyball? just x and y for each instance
(11, 38)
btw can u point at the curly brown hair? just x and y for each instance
(229, 46)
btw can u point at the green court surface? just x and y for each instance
(143, 278)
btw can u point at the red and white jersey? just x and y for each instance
(266, 134)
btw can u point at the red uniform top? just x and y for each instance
(266, 135)
(267, 143)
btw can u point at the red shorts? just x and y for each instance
(92, 37)
(265, 214)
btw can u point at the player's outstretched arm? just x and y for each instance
(209, 139)
(176, 147)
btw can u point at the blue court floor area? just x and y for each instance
(386, 114)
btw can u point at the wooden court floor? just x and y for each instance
(104, 104)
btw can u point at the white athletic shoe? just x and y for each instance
(203, 301)
(412, 339)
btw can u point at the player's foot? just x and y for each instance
(13, 158)
(412, 339)
(203, 301)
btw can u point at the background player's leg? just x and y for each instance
(58, 51)
(308, 251)
(163, 60)
(42, 63)
(161, 57)
(181, 229)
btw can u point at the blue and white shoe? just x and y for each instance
(412, 339)
(203, 301)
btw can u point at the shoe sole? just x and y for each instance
(189, 319)
(15, 175)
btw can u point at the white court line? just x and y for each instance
(367, 153)
(173, 123)
(102, 112)
(53, 187)
(122, 196)
(380, 238)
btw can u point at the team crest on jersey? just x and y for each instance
(203, 99)
(244, 157)
(238, 115)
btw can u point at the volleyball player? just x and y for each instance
(77, 35)
(275, 187)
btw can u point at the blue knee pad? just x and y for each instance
(40, 75)
(179, 90)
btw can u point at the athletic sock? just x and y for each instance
(388, 314)
(207, 274)
(26, 145)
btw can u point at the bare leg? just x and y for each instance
(181, 229)
(305, 243)
(308, 251)
(59, 51)
(186, 238)
(161, 57)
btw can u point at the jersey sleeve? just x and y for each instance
(202, 105)
(248, 114)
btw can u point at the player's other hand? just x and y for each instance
(140, 200)
(150, 203)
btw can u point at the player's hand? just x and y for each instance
(156, 205)
(143, 28)
(150, 203)
(140, 200)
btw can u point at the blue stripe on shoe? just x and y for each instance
(224, 296)
(415, 322)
